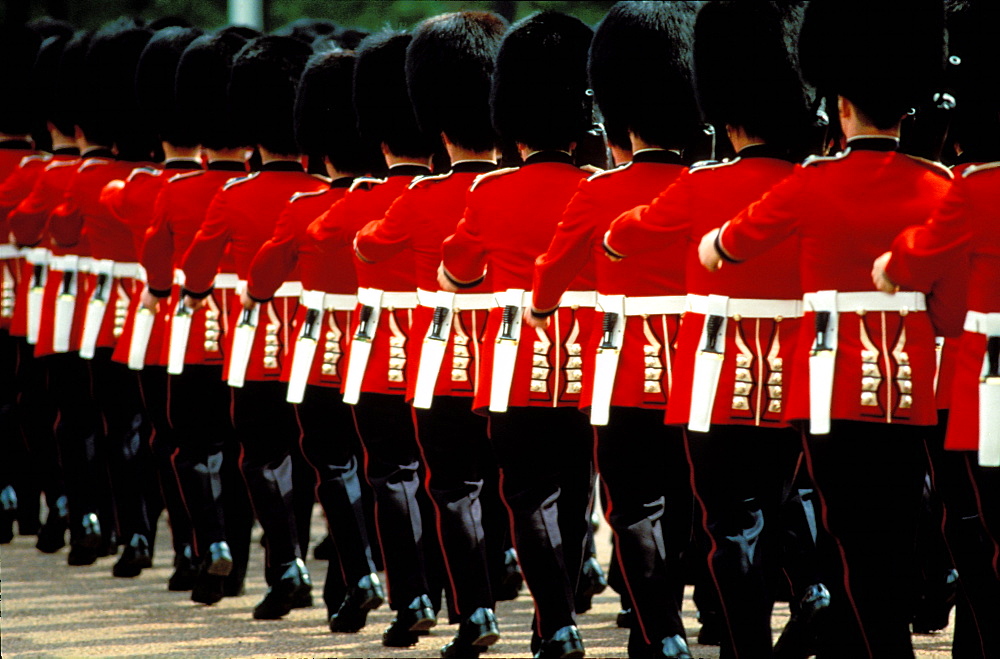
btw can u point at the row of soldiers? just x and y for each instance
(456, 318)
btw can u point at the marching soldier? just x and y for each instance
(865, 360)
(326, 126)
(531, 383)
(448, 67)
(200, 477)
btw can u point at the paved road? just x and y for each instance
(52, 610)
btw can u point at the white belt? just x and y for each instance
(9, 251)
(227, 280)
(289, 289)
(128, 270)
(983, 323)
(748, 307)
(37, 255)
(399, 300)
(86, 264)
(861, 302)
(651, 305)
(462, 301)
(331, 301)
(69, 262)
(179, 277)
(575, 299)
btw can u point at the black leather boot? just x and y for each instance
(418, 616)
(476, 633)
(364, 596)
(136, 557)
(291, 589)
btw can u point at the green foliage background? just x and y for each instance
(362, 14)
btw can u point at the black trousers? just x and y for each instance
(645, 478)
(546, 466)
(268, 433)
(328, 445)
(740, 476)
(462, 479)
(868, 479)
(969, 494)
(392, 467)
(127, 432)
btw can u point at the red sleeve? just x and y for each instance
(201, 262)
(463, 253)
(380, 239)
(766, 222)
(157, 253)
(568, 252)
(17, 187)
(655, 226)
(328, 232)
(28, 220)
(920, 254)
(276, 259)
(66, 223)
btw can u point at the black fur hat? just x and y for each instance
(18, 48)
(43, 87)
(540, 96)
(168, 21)
(155, 84)
(262, 91)
(46, 27)
(746, 70)
(308, 30)
(973, 70)
(886, 56)
(109, 114)
(641, 70)
(385, 114)
(201, 90)
(325, 122)
(449, 66)
(67, 89)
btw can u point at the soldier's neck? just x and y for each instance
(267, 156)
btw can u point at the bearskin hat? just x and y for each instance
(385, 114)
(308, 30)
(974, 63)
(155, 84)
(43, 87)
(262, 90)
(18, 48)
(746, 70)
(109, 114)
(168, 21)
(201, 90)
(66, 92)
(325, 122)
(449, 66)
(540, 96)
(641, 71)
(886, 62)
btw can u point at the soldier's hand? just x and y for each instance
(193, 304)
(533, 321)
(149, 301)
(247, 301)
(707, 253)
(445, 283)
(879, 278)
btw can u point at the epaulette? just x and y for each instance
(240, 179)
(304, 195)
(61, 163)
(980, 168)
(151, 171)
(185, 175)
(35, 156)
(707, 165)
(491, 175)
(816, 160)
(91, 162)
(368, 181)
(430, 178)
(605, 172)
(932, 165)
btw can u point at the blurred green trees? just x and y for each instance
(362, 14)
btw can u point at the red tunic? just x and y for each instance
(291, 255)
(701, 200)
(12, 152)
(369, 200)
(510, 218)
(132, 202)
(178, 212)
(242, 217)
(960, 234)
(28, 224)
(419, 221)
(13, 189)
(578, 242)
(846, 210)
